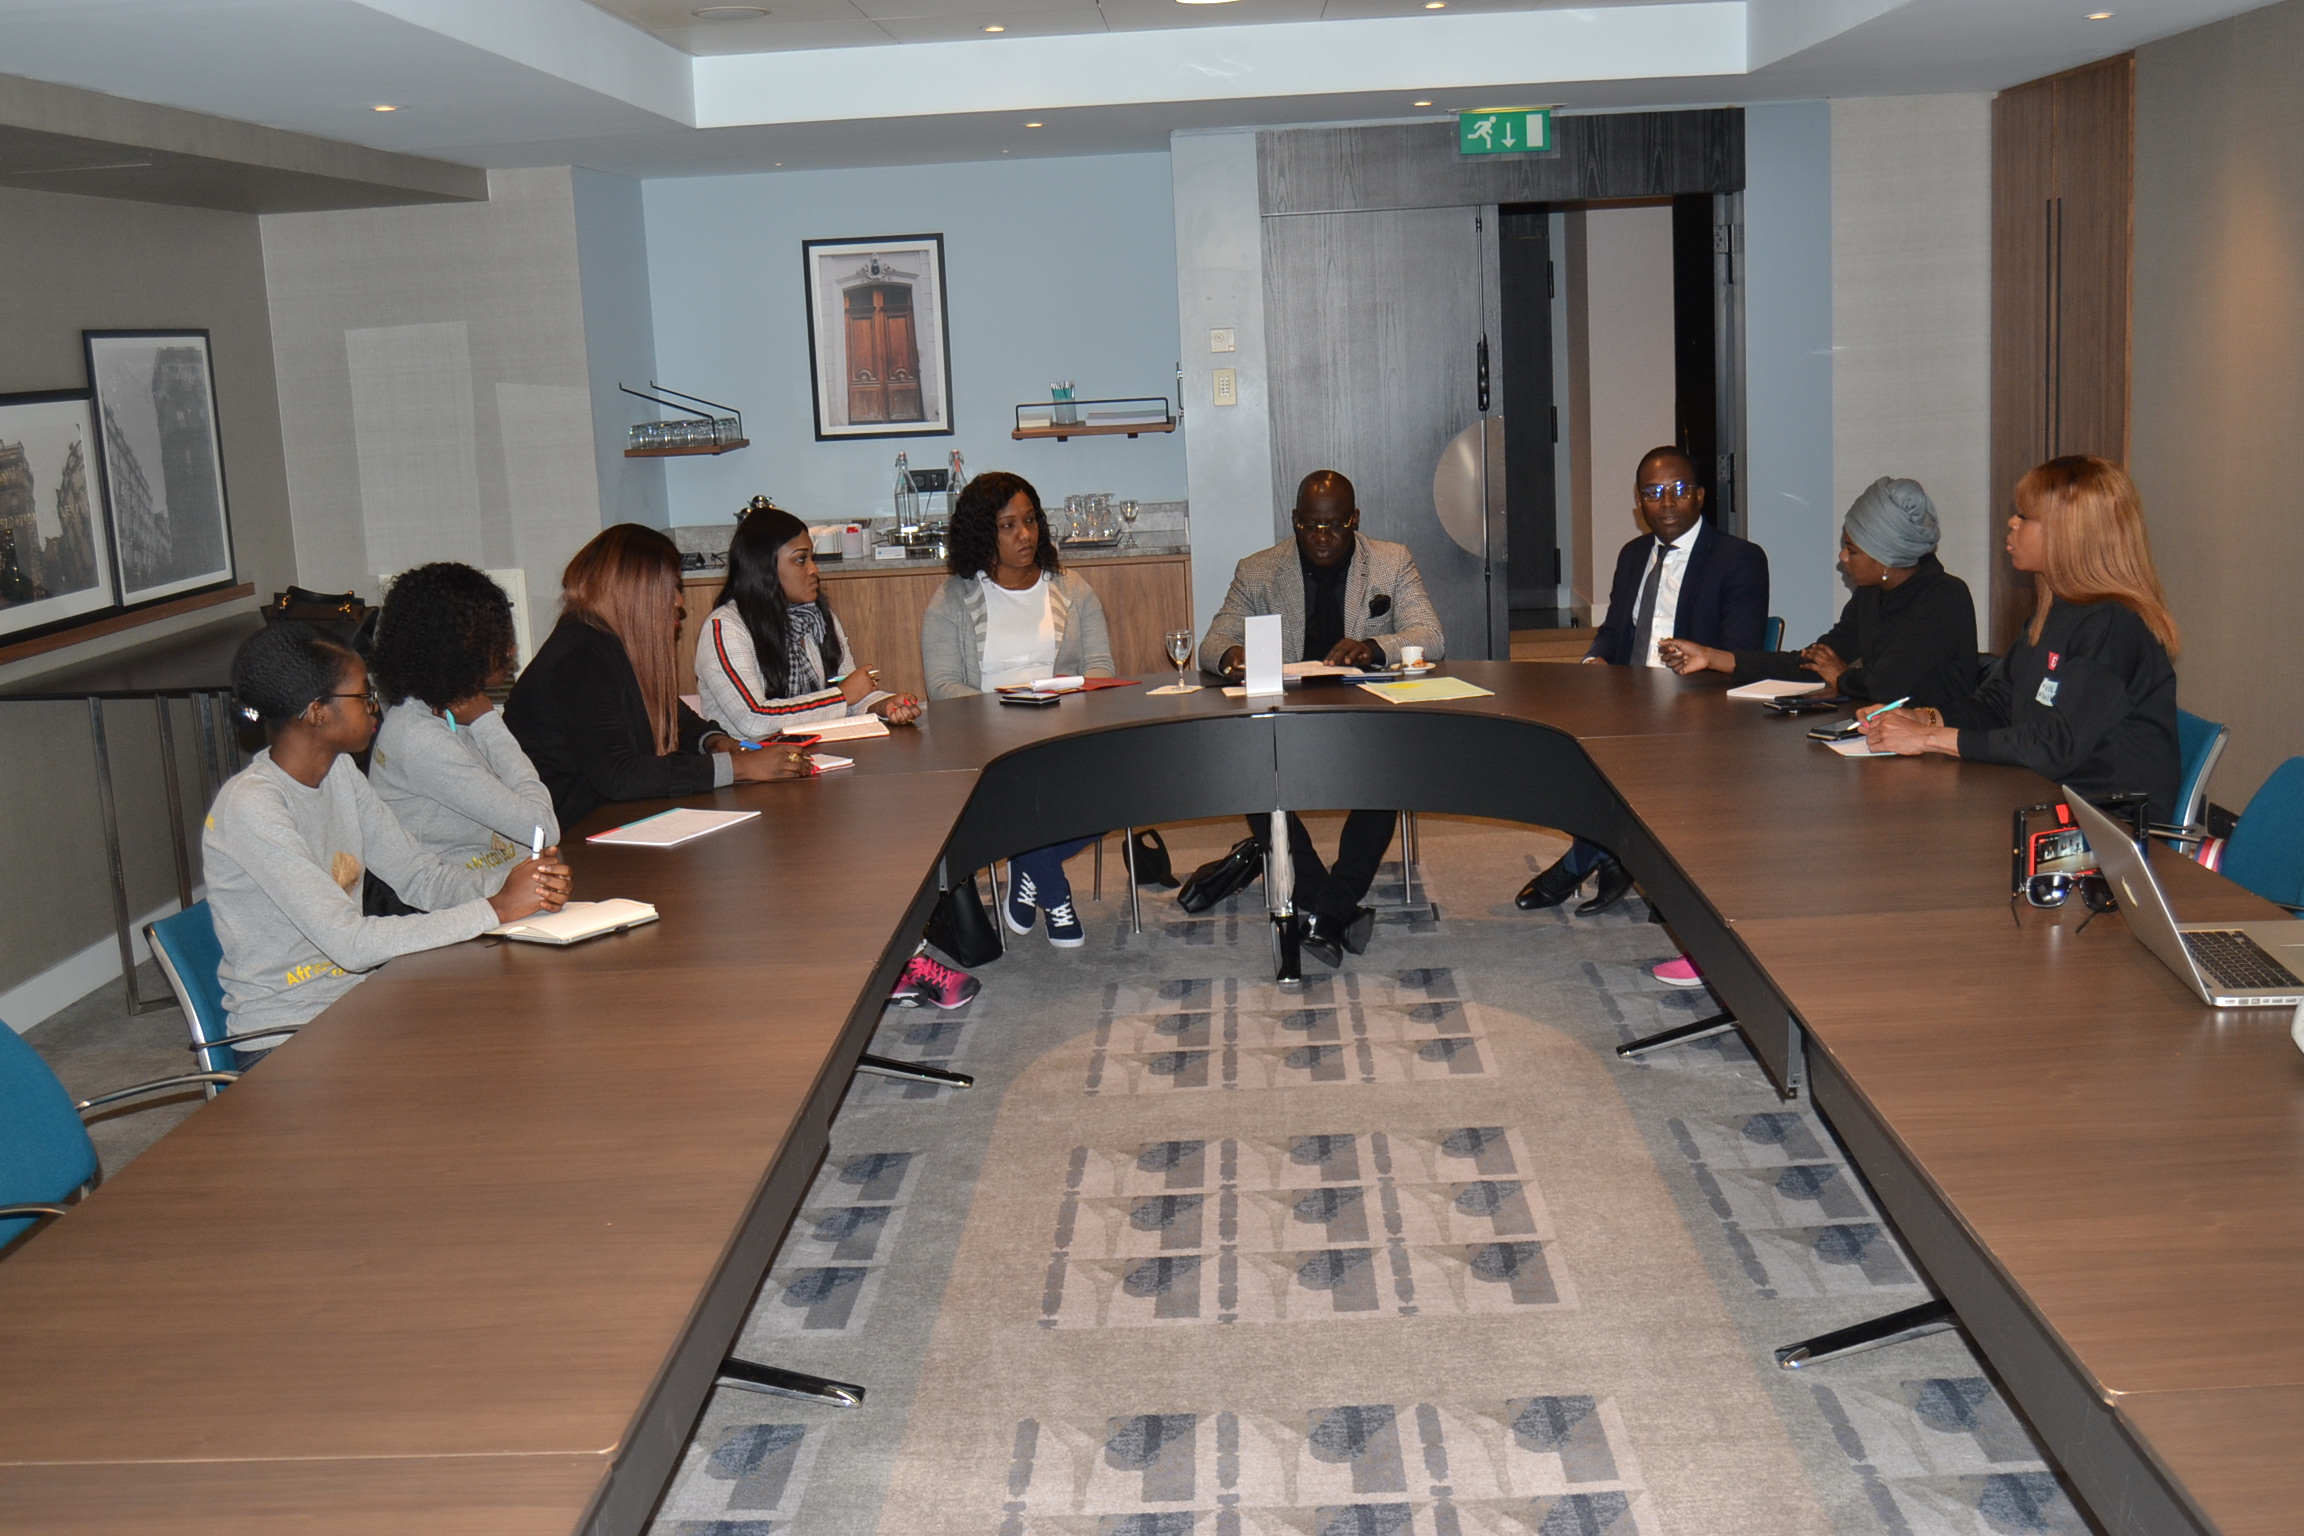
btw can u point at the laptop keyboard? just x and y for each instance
(2236, 963)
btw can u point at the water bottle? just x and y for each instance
(907, 503)
(959, 476)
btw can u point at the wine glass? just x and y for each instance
(1128, 511)
(1180, 652)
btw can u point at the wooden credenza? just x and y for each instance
(1144, 597)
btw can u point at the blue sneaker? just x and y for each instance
(1020, 910)
(1064, 930)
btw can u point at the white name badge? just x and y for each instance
(2047, 693)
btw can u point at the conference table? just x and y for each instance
(467, 1253)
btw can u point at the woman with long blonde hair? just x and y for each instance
(2086, 696)
(599, 711)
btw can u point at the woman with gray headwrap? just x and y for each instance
(1908, 632)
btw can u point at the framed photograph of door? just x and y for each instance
(879, 347)
(162, 462)
(55, 566)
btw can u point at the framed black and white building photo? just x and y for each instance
(162, 461)
(879, 347)
(55, 566)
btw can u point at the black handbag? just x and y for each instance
(338, 616)
(962, 928)
(1219, 879)
(1151, 857)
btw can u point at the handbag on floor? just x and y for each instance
(1221, 878)
(962, 928)
(1152, 866)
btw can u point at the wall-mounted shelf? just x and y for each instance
(681, 453)
(1095, 418)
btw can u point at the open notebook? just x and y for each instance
(577, 921)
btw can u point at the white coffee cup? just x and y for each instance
(852, 542)
(1411, 655)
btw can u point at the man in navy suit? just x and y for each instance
(1683, 579)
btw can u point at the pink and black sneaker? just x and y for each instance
(926, 981)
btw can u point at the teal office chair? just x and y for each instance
(46, 1159)
(2266, 849)
(1772, 637)
(2199, 744)
(186, 947)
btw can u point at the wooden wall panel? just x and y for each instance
(2063, 174)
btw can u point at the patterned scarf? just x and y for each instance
(803, 650)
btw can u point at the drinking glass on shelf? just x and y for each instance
(1179, 652)
(1128, 511)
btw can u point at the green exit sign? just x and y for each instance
(1505, 131)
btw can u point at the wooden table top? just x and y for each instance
(2241, 1452)
(468, 1215)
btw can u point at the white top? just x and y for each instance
(1019, 634)
(1667, 594)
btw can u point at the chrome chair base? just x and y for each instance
(748, 1376)
(1717, 1024)
(1911, 1323)
(912, 1071)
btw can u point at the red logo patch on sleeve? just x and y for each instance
(2053, 658)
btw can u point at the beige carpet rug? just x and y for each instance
(1406, 1251)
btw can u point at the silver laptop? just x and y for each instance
(2230, 965)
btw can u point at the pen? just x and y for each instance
(1883, 709)
(536, 844)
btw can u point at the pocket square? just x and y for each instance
(1379, 605)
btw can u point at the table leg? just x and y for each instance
(175, 791)
(912, 1071)
(204, 763)
(1280, 901)
(1911, 1323)
(781, 1383)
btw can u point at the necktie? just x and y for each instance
(1644, 631)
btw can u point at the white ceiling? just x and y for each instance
(643, 88)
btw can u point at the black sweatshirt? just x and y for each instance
(2093, 705)
(1916, 640)
(578, 714)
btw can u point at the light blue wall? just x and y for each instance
(1054, 269)
(619, 340)
(1788, 368)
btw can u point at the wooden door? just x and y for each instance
(2063, 157)
(883, 354)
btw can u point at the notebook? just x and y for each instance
(577, 921)
(854, 728)
(2230, 965)
(669, 829)
(1774, 688)
(1429, 690)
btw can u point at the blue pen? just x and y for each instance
(1883, 709)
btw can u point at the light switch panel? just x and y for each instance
(1224, 339)
(1225, 384)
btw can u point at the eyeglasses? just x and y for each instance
(375, 705)
(2054, 889)
(1339, 525)
(1672, 489)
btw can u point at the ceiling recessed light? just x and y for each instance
(1435, 5)
(1203, 2)
(730, 12)
(995, 27)
(1419, 103)
(384, 106)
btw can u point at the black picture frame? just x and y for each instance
(911, 398)
(56, 569)
(166, 509)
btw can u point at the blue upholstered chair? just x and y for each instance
(2199, 744)
(2266, 849)
(46, 1159)
(1772, 637)
(186, 947)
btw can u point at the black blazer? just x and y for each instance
(1723, 596)
(578, 714)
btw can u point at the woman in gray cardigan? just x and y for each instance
(1009, 615)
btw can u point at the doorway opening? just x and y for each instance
(1616, 325)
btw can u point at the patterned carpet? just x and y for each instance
(1406, 1251)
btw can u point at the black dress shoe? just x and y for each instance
(1548, 889)
(1319, 942)
(1615, 880)
(1354, 931)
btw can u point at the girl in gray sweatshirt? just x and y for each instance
(290, 836)
(444, 761)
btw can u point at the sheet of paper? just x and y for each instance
(1316, 669)
(1428, 690)
(577, 920)
(1774, 688)
(667, 829)
(1262, 641)
(826, 763)
(1856, 746)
